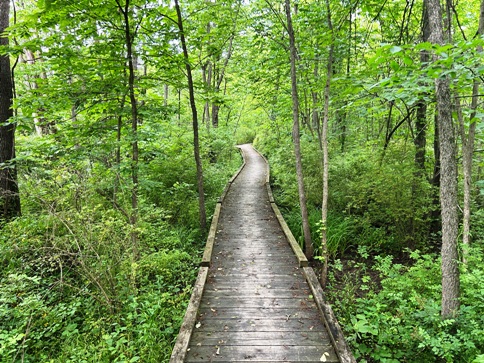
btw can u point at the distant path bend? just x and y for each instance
(256, 305)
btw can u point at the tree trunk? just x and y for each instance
(420, 139)
(166, 93)
(221, 76)
(207, 80)
(134, 126)
(296, 138)
(468, 147)
(9, 196)
(315, 116)
(196, 146)
(448, 186)
(324, 204)
(42, 126)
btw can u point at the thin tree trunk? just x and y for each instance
(166, 93)
(315, 107)
(196, 146)
(9, 195)
(468, 148)
(448, 186)
(324, 204)
(42, 126)
(207, 80)
(134, 126)
(296, 138)
(419, 140)
(119, 129)
(421, 118)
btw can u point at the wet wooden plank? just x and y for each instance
(258, 313)
(261, 302)
(245, 283)
(260, 338)
(294, 324)
(255, 256)
(268, 353)
(256, 293)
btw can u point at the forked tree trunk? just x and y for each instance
(9, 196)
(296, 138)
(448, 185)
(196, 146)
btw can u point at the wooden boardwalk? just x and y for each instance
(256, 303)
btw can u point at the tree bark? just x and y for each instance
(42, 126)
(324, 204)
(448, 186)
(309, 251)
(9, 195)
(165, 95)
(420, 139)
(468, 147)
(134, 126)
(196, 145)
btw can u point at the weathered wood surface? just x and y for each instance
(207, 254)
(181, 347)
(257, 305)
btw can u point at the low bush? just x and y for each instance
(398, 320)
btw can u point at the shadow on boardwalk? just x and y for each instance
(256, 304)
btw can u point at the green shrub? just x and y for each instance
(401, 321)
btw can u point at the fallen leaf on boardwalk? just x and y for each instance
(218, 351)
(323, 357)
(199, 344)
(213, 310)
(311, 327)
(198, 325)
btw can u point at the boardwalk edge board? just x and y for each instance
(207, 254)
(179, 352)
(334, 329)
(183, 339)
(303, 261)
(336, 334)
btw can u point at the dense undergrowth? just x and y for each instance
(385, 279)
(70, 290)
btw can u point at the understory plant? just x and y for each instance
(398, 319)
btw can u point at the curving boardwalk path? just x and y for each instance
(256, 305)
